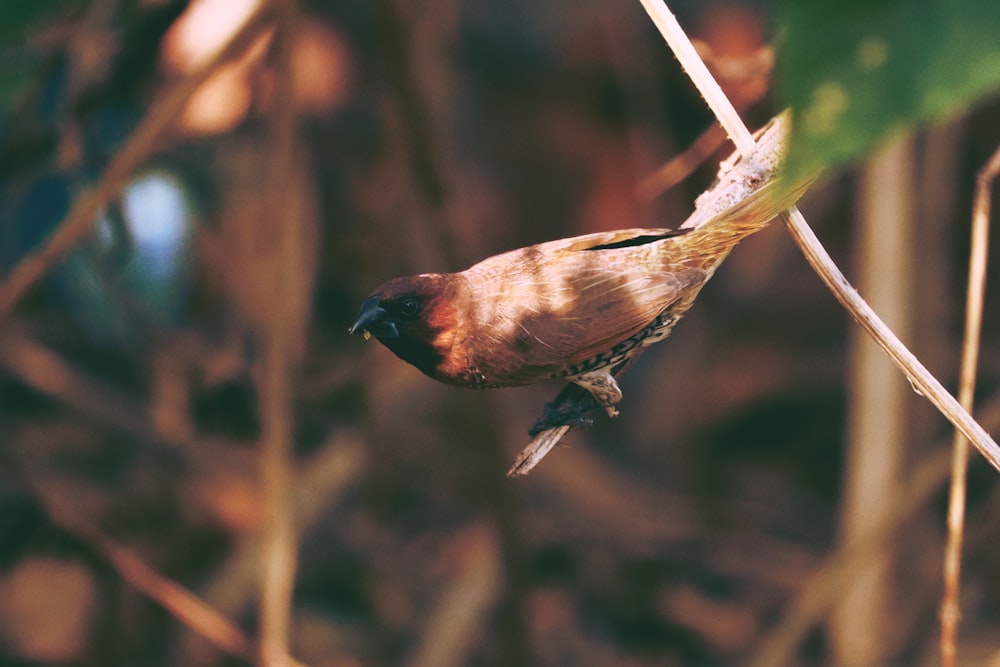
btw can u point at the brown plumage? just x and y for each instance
(578, 308)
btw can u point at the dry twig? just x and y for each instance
(966, 393)
(680, 167)
(921, 379)
(280, 334)
(320, 482)
(184, 605)
(826, 583)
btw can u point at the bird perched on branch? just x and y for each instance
(575, 308)
(579, 308)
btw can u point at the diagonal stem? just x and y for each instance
(921, 379)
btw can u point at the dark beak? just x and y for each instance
(375, 320)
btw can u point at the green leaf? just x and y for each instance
(857, 72)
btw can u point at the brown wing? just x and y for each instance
(563, 302)
(619, 292)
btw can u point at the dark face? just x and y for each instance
(406, 315)
(384, 318)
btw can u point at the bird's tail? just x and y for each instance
(749, 193)
(750, 214)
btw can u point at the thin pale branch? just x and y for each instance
(921, 379)
(684, 50)
(923, 382)
(975, 296)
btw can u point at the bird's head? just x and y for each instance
(417, 317)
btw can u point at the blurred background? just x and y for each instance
(772, 493)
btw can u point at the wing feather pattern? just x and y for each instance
(576, 298)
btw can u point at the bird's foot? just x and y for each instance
(571, 413)
(603, 389)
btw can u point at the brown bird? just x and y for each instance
(578, 308)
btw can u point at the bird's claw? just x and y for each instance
(571, 414)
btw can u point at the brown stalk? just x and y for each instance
(975, 295)
(920, 378)
(280, 334)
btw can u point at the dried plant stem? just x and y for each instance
(975, 296)
(821, 262)
(921, 379)
(681, 166)
(185, 606)
(280, 333)
(143, 142)
(321, 480)
(825, 585)
(684, 50)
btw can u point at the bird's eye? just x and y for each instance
(409, 307)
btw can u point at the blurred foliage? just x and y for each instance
(680, 533)
(19, 21)
(860, 71)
